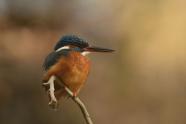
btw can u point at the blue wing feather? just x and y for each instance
(53, 57)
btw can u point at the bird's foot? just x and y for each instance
(74, 94)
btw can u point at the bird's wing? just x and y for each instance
(52, 58)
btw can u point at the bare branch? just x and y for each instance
(78, 101)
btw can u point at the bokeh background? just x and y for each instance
(143, 82)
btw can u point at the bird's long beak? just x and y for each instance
(98, 49)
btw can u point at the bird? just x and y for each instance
(68, 62)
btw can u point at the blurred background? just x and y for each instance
(143, 82)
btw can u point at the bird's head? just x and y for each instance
(73, 42)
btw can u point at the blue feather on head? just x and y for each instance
(71, 40)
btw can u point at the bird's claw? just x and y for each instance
(74, 94)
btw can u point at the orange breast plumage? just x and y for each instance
(75, 72)
(72, 69)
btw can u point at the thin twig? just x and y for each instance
(78, 101)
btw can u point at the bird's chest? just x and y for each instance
(76, 72)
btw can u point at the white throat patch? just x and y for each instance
(62, 48)
(85, 53)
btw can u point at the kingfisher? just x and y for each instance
(68, 63)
